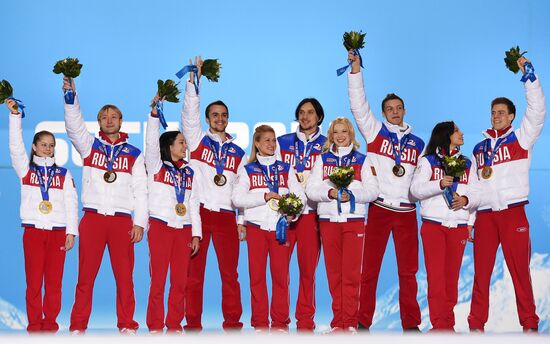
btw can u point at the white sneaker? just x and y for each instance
(127, 331)
(77, 333)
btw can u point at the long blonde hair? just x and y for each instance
(330, 133)
(260, 130)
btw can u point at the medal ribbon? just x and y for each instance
(529, 73)
(489, 158)
(20, 105)
(44, 187)
(272, 185)
(160, 111)
(342, 70)
(190, 68)
(220, 156)
(301, 163)
(400, 144)
(347, 161)
(179, 184)
(115, 152)
(280, 230)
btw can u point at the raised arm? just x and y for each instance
(153, 161)
(190, 114)
(74, 124)
(367, 124)
(18, 154)
(535, 114)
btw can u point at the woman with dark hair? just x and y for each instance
(174, 223)
(342, 219)
(49, 216)
(260, 185)
(445, 223)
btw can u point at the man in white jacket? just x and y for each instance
(114, 184)
(395, 152)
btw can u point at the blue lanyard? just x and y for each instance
(180, 179)
(220, 156)
(44, 187)
(301, 163)
(489, 158)
(272, 185)
(400, 145)
(115, 152)
(345, 159)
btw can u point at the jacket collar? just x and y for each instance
(399, 130)
(122, 137)
(218, 139)
(266, 160)
(43, 161)
(302, 137)
(341, 151)
(494, 134)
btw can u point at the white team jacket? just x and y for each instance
(509, 184)
(394, 191)
(162, 195)
(426, 187)
(62, 192)
(129, 192)
(364, 186)
(212, 196)
(250, 188)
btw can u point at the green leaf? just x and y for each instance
(211, 69)
(69, 67)
(511, 58)
(354, 40)
(168, 90)
(6, 91)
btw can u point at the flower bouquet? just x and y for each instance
(352, 40)
(511, 61)
(342, 177)
(6, 92)
(211, 69)
(454, 166)
(70, 68)
(289, 205)
(167, 90)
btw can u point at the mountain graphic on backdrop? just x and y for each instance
(502, 310)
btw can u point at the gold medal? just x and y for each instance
(45, 207)
(300, 176)
(109, 177)
(180, 209)
(486, 172)
(220, 179)
(398, 170)
(274, 204)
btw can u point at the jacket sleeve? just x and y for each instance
(240, 211)
(472, 217)
(19, 159)
(422, 187)
(194, 207)
(316, 189)
(139, 187)
(76, 129)
(369, 190)
(153, 162)
(474, 192)
(533, 120)
(190, 117)
(71, 204)
(367, 124)
(242, 197)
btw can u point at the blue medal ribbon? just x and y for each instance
(190, 68)
(301, 163)
(280, 230)
(160, 113)
(488, 159)
(180, 179)
(272, 185)
(400, 145)
(115, 152)
(529, 73)
(220, 156)
(347, 161)
(342, 70)
(20, 105)
(45, 186)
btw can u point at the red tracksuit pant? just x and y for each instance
(443, 251)
(304, 233)
(169, 247)
(222, 228)
(404, 228)
(261, 244)
(509, 228)
(343, 248)
(96, 232)
(44, 261)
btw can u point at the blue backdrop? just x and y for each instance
(444, 58)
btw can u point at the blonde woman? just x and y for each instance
(260, 184)
(342, 219)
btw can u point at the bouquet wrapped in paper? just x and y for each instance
(454, 166)
(342, 177)
(289, 205)
(167, 90)
(511, 60)
(70, 68)
(6, 92)
(354, 41)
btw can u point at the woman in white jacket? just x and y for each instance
(445, 223)
(342, 225)
(174, 223)
(259, 186)
(49, 216)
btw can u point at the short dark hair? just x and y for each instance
(217, 102)
(165, 141)
(441, 138)
(391, 96)
(505, 101)
(316, 105)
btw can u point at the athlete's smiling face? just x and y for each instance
(44, 146)
(501, 118)
(266, 144)
(218, 118)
